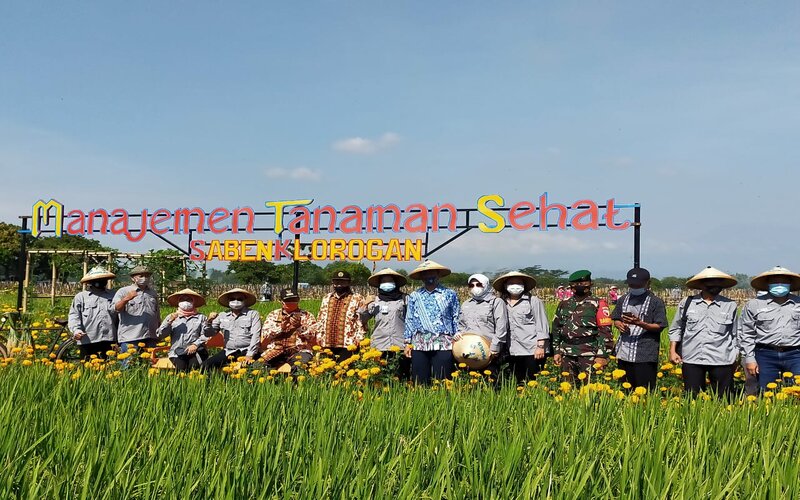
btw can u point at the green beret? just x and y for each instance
(582, 275)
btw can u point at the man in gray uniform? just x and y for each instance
(92, 318)
(139, 312)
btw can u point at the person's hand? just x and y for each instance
(407, 350)
(603, 362)
(191, 349)
(752, 368)
(132, 295)
(172, 317)
(78, 335)
(622, 327)
(457, 337)
(369, 299)
(212, 316)
(247, 360)
(674, 357)
(557, 359)
(538, 353)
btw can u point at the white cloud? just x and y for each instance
(295, 174)
(362, 146)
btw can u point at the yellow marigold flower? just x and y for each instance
(544, 373)
(532, 383)
(769, 394)
(581, 376)
(462, 365)
(364, 343)
(395, 348)
(772, 385)
(316, 348)
(27, 362)
(351, 372)
(626, 385)
(76, 376)
(255, 372)
(301, 378)
(487, 372)
(559, 398)
(737, 375)
(788, 374)
(123, 355)
(751, 398)
(374, 370)
(141, 344)
(455, 374)
(660, 375)
(635, 398)
(144, 355)
(667, 367)
(473, 381)
(110, 353)
(641, 391)
(565, 374)
(597, 366)
(781, 396)
(352, 347)
(261, 380)
(565, 387)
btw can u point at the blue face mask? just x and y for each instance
(387, 287)
(779, 289)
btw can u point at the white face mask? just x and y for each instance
(142, 280)
(185, 305)
(476, 291)
(387, 287)
(515, 289)
(236, 304)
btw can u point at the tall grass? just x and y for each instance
(141, 436)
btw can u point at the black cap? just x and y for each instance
(637, 275)
(341, 275)
(287, 294)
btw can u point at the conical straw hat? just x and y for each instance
(760, 281)
(429, 265)
(375, 279)
(528, 281)
(199, 300)
(695, 282)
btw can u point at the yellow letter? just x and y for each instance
(488, 212)
(278, 205)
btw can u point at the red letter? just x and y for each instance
(610, 213)
(518, 211)
(544, 209)
(159, 216)
(196, 250)
(216, 216)
(591, 211)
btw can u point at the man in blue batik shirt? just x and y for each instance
(431, 323)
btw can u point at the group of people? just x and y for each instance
(707, 335)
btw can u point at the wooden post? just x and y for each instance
(53, 284)
(27, 282)
(85, 268)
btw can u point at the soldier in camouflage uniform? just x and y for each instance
(581, 328)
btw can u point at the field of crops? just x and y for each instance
(95, 431)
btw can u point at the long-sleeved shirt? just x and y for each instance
(287, 333)
(338, 323)
(93, 313)
(242, 332)
(141, 316)
(487, 317)
(638, 345)
(390, 322)
(764, 321)
(709, 336)
(183, 332)
(432, 319)
(527, 325)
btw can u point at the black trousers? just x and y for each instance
(97, 348)
(220, 360)
(721, 377)
(431, 364)
(341, 353)
(403, 363)
(525, 368)
(642, 374)
(189, 362)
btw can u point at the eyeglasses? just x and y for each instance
(471, 285)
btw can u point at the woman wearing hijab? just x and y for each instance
(528, 326)
(485, 314)
(389, 311)
(185, 327)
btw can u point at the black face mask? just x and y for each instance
(431, 280)
(99, 284)
(713, 290)
(341, 289)
(581, 290)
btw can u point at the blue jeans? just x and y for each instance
(125, 346)
(439, 364)
(772, 364)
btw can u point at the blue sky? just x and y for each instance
(691, 109)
